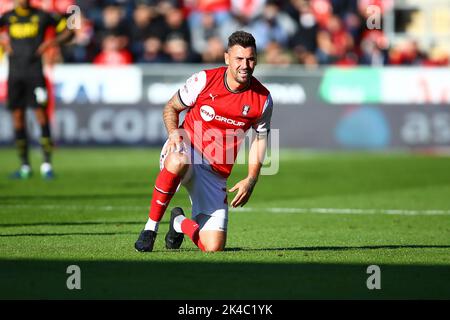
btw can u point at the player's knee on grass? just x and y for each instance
(213, 247)
(213, 241)
(177, 163)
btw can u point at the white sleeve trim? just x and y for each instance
(190, 91)
(262, 125)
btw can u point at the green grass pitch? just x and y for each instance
(309, 232)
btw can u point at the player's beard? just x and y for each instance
(243, 78)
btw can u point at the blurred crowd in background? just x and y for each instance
(307, 32)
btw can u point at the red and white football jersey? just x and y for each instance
(217, 117)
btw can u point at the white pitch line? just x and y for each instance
(349, 211)
(406, 212)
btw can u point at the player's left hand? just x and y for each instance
(245, 189)
(6, 47)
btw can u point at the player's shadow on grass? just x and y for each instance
(203, 279)
(343, 248)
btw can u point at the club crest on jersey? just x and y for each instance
(245, 110)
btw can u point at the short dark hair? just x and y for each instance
(241, 38)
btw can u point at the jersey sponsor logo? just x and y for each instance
(208, 114)
(230, 121)
(24, 30)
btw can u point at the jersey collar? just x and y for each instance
(22, 11)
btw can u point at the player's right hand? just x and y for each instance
(175, 143)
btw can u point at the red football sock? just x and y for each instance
(192, 230)
(165, 187)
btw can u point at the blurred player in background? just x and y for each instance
(26, 27)
(221, 103)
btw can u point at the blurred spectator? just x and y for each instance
(92, 10)
(6, 5)
(322, 11)
(383, 5)
(326, 53)
(309, 32)
(214, 51)
(219, 9)
(177, 50)
(175, 24)
(437, 57)
(307, 58)
(146, 22)
(112, 22)
(61, 6)
(250, 9)
(304, 41)
(354, 25)
(153, 51)
(342, 41)
(273, 25)
(406, 53)
(275, 54)
(203, 32)
(374, 49)
(236, 22)
(80, 50)
(113, 52)
(343, 8)
(348, 59)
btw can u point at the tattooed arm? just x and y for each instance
(171, 114)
